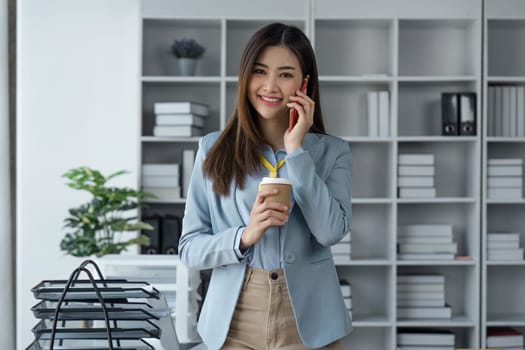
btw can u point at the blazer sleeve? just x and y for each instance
(326, 205)
(199, 246)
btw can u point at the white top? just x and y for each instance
(275, 180)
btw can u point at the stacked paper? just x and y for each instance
(426, 242)
(416, 176)
(162, 180)
(505, 178)
(425, 339)
(342, 251)
(421, 296)
(504, 246)
(184, 119)
(346, 290)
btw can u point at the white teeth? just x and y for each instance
(269, 99)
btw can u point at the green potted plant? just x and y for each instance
(187, 51)
(94, 228)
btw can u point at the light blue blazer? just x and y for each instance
(320, 173)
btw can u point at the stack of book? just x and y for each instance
(506, 111)
(504, 338)
(505, 178)
(426, 242)
(346, 290)
(184, 119)
(342, 251)
(378, 113)
(504, 246)
(425, 339)
(422, 296)
(162, 180)
(416, 176)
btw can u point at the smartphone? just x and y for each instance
(293, 112)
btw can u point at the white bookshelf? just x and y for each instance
(503, 281)
(413, 49)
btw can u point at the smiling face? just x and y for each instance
(276, 75)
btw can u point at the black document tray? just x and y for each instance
(91, 345)
(72, 330)
(82, 290)
(81, 311)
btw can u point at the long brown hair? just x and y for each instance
(236, 153)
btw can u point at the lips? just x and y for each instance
(269, 100)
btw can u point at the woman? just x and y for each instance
(274, 283)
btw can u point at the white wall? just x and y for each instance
(78, 103)
(6, 293)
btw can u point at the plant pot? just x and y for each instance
(187, 66)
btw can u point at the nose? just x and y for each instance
(270, 83)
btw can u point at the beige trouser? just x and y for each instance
(263, 318)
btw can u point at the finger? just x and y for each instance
(261, 195)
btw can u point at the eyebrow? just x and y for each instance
(280, 68)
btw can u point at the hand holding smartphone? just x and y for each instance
(293, 112)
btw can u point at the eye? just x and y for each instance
(286, 75)
(258, 71)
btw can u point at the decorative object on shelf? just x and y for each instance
(187, 51)
(93, 227)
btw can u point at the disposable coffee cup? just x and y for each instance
(284, 186)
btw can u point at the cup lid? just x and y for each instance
(275, 180)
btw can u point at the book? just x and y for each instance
(498, 111)
(164, 193)
(505, 112)
(348, 303)
(418, 337)
(417, 192)
(415, 181)
(467, 113)
(513, 102)
(424, 312)
(504, 181)
(425, 256)
(384, 113)
(346, 289)
(416, 159)
(503, 337)
(160, 181)
(340, 248)
(188, 160)
(372, 112)
(416, 170)
(425, 230)
(424, 240)
(421, 287)
(509, 170)
(500, 237)
(449, 114)
(420, 295)
(179, 119)
(160, 169)
(490, 111)
(520, 111)
(176, 130)
(505, 254)
(426, 278)
(450, 247)
(502, 244)
(186, 107)
(505, 161)
(411, 302)
(505, 193)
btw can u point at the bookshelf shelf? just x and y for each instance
(169, 139)
(176, 79)
(456, 321)
(436, 263)
(367, 320)
(502, 281)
